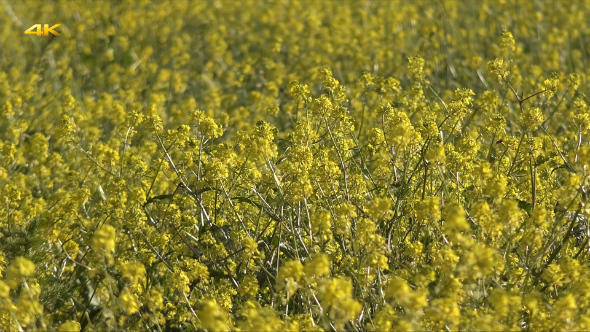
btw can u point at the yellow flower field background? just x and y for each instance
(295, 166)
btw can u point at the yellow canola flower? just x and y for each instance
(70, 326)
(104, 238)
(4, 290)
(212, 317)
(20, 268)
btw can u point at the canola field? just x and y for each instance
(295, 166)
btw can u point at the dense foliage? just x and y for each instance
(295, 166)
